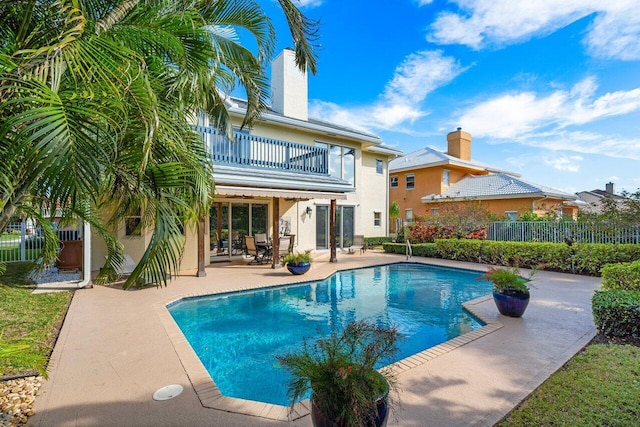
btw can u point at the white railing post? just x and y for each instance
(23, 240)
(408, 250)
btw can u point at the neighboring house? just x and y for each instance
(424, 180)
(594, 199)
(288, 174)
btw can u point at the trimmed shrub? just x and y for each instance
(591, 257)
(420, 249)
(625, 276)
(617, 313)
(375, 241)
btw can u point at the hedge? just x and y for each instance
(375, 241)
(419, 249)
(625, 276)
(584, 258)
(617, 313)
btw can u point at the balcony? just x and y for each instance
(256, 152)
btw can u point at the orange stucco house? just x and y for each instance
(421, 181)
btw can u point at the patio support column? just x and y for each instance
(275, 235)
(201, 272)
(332, 231)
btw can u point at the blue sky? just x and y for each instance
(549, 89)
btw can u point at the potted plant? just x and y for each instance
(510, 290)
(340, 372)
(298, 262)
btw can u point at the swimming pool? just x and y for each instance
(236, 336)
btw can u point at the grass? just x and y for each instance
(600, 386)
(28, 322)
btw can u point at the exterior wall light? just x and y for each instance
(309, 210)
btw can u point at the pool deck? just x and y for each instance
(116, 348)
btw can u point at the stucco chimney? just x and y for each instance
(459, 144)
(289, 88)
(609, 188)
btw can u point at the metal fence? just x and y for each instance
(556, 232)
(23, 242)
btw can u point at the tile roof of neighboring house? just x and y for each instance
(593, 199)
(495, 186)
(426, 157)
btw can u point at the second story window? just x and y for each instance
(342, 162)
(410, 182)
(379, 166)
(445, 178)
(393, 182)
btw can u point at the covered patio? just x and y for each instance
(116, 349)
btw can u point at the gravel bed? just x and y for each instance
(16, 400)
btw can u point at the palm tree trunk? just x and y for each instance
(115, 15)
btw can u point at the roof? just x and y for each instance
(496, 186)
(429, 157)
(239, 106)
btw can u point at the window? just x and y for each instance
(379, 166)
(342, 162)
(393, 182)
(511, 215)
(408, 214)
(377, 219)
(132, 225)
(445, 178)
(410, 182)
(434, 211)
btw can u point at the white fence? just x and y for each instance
(23, 242)
(556, 232)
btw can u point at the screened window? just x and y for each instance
(379, 166)
(410, 182)
(393, 182)
(377, 219)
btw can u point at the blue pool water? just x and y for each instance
(237, 336)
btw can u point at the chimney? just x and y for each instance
(459, 144)
(289, 89)
(610, 188)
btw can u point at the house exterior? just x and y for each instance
(422, 181)
(288, 175)
(593, 200)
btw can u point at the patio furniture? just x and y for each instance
(252, 249)
(358, 243)
(284, 246)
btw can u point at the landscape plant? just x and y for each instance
(340, 372)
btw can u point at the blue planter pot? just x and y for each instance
(298, 268)
(511, 304)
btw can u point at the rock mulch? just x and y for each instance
(16, 400)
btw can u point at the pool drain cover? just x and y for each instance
(167, 392)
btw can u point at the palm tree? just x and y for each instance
(96, 101)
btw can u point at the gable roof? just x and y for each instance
(429, 157)
(495, 186)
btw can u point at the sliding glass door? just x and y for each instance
(344, 226)
(230, 222)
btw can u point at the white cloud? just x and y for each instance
(424, 2)
(614, 32)
(418, 75)
(309, 3)
(513, 115)
(565, 163)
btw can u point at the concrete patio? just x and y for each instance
(116, 349)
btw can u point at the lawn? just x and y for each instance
(600, 386)
(27, 321)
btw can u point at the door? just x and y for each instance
(344, 226)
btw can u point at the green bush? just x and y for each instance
(591, 257)
(617, 313)
(625, 276)
(420, 249)
(375, 241)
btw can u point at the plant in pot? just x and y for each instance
(340, 372)
(510, 290)
(298, 262)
